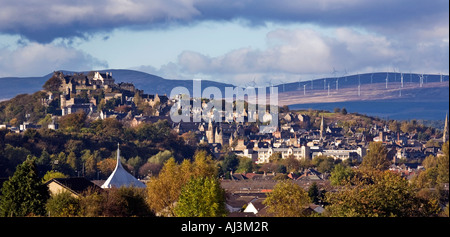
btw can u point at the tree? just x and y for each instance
(230, 163)
(73, 161)
(52, 175)
(443, 165)
(161, 157)
(63, 204)
(376, 157)
(314, 192)
(275, 157)
(24, 194)
(203, 165)
(341, 175)
(324, 164)
(286, 200)
(344, 111)
(73, 122)
(202, 197)
(292, 164)
(125, 202)
(163, 191)
(52, 84)
(380, 194)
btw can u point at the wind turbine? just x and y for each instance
(328, 89)
(401, 79)
(387, 79)
(359, 85)
(304, 89)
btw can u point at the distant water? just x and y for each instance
(386, 109)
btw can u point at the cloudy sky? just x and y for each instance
(234, 41)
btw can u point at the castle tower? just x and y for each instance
(445, 136)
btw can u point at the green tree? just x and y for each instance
(287, 200)
(163, 192)
(341, 175)
(52, 175)
(376, 157)
(73, 161)
(161, 157)
(314, 193)
(230, 163)
(324, 164)
(380, 194)
(202, 197)
(63, 204)
(24, 194)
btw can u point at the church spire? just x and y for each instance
(445, 136)
(322, 130)
(120, 177)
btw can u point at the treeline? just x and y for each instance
(87, 148)
(189, 188)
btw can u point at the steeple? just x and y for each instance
(322, 130)
(120, 177)
(445, 136)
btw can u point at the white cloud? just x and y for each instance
(36, 59)
(303, 53)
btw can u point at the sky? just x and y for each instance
(232, 41)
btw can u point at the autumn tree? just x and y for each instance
(287, 200)
(443, 165)
(163, 192)
(52, 84)
(24, 194)
(376, 157)
(73, 122)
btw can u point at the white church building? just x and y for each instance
(120, 177)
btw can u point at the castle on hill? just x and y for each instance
(77, 90)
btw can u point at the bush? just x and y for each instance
(63, 204)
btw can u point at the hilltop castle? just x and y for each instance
(77, 89)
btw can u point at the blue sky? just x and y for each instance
(225, 40)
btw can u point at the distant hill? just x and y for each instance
(422, 96)
(151, 84)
